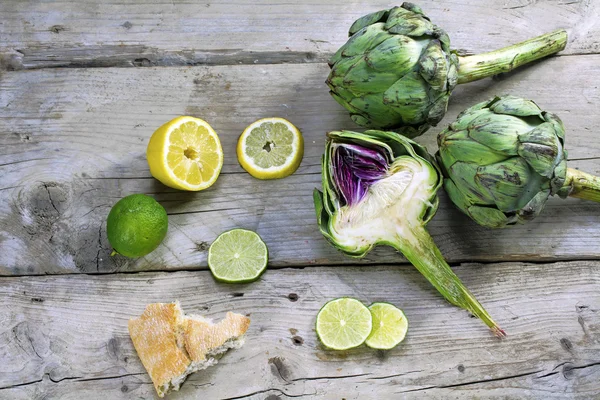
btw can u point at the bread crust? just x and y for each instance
(155, 336)
(172, 345)
(202, 336)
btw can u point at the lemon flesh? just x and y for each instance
(270, 148)
(389, 326)
(343, 323)
(185, 153)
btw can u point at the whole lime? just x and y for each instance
(136, 225)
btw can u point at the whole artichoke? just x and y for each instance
(397, 70)
(503, 158)
(381, 188)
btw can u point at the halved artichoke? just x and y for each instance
(380, 188)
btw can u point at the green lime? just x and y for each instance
(136, 225)
(237, 256)
(343, 323)
(389, 326)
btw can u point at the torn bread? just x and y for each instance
(171, 345)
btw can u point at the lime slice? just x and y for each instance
(389, 326)
(270, 148)
(237, 256)
(343, 323)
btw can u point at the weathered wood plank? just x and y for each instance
(172, 32)
(72, 142)
(66, 336)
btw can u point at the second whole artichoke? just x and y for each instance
(504, 157)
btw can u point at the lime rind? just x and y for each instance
(343, 323)
(389, 326)
(238, 256)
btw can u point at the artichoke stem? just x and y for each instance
(472, 68)
(422, 252)
(582, 185)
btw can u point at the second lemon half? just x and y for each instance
(270, 148)
(185, 153)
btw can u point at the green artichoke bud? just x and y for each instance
(397, 70)
(503, 158)
(380, 187)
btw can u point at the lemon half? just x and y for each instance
(185, 153)
(270, 148)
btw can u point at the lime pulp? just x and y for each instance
(237, 256)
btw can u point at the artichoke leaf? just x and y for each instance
(397, 54)
(490, 217)
(462, 174)
(499, 132)
(456, 148)
(516, 106)
(367, 20)
(434, 66)
(374, 109)
(533, 208)
(511, 183)
(409, 97)
(404, 22)
(365, 39)
(438, 109)
(362, 79)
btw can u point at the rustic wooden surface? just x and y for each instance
(66, 336)
(72, 142)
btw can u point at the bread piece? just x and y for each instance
(205, 340)
(171, 346)
(157, 338)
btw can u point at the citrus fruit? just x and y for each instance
(343, 323)
(270, 148)
(136, 225)
(389, 326)
(237, 256)
(185, 153)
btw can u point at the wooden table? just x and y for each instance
(83, 84)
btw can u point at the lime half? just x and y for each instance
(237, 256)
(343, 323)
(270, 148)
(389, 326)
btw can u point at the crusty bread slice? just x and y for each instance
(205, 340)
(171, 346)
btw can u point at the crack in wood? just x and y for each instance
(502, 378)
(136, 56)
(393, 376)
(20, 384)
(280, 267)
(317, 378)
(140, 56)
(267, 391)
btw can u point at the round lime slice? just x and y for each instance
(237, 256)
(389, 326)
(343, 323)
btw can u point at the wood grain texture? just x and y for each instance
(172, 32)
(72, 142)
(66, 336)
